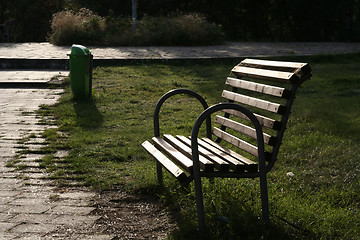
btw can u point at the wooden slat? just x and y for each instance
(237, 142)
(257, 87)
(268, 139)
(276, 64)
(235, 164)
(254, 102)
(264, 121)
(171, 167)
(250, 165)
(302, 70)
(174, 154)
(265, 74)
(205, 164)
(219, 163)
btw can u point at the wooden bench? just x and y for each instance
(259, 99)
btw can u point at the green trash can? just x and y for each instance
(80, 71)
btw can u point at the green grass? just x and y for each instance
(321, 147)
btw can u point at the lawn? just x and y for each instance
(321, 147)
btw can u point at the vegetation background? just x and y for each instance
(244, 20)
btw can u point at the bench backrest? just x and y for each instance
(267, 88)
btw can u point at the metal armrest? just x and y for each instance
(207, 113)
(175, 92)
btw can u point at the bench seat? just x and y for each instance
(214, 158)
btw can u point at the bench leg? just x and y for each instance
(264, 198)
(200, 204)
(159, 173)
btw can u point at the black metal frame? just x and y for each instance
(197, 174)
(156, 120)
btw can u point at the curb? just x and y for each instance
(63, 64)
(24, 85)
(21, 63)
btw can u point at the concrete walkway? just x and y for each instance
(229, 50)
(31, 206)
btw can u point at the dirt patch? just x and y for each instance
(128, 216)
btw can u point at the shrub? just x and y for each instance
(189, 29)
(85, 27)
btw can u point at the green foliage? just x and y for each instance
(248, 20)
(31, 17)
(261, 20)
(85, 27)
(321, 200)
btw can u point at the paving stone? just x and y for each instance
(30, 161)
(61, 154)
(77, 195)
(35, 208)
(74, 220)
(9, 193)
(33, 228)
(29, 164)
(4, 209)
(31, 157)
(5, 200)
(33, 218)
(30, 236)
(38, 75)
(31, 170)
(4, 235)
(3, 163)
(77, 236)
(10, 187)
(10, 174)
(32, 146)
(5, 217)
(73, 202)
(40, 195)
(5, 226)
(28, 201)
(93, 237)
(36, 141)
(23, 127)
(9, 181)
(7, 152)
(33, 190)
(71, 210)
(37, 175)
(39, 182)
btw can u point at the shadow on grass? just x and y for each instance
(230, 220)
(88, 116)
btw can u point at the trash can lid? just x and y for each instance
(78, 50)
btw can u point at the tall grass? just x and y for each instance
(86, 27)
(69, 27)
(319, 201)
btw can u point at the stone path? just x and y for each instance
(31, 206)
(33, 76)
(232, 49)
